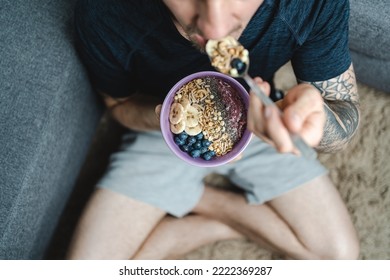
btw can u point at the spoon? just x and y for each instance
(228, 56)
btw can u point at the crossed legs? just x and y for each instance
(309, 222)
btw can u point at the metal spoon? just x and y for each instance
(240, 70)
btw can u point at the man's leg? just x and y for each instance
(174, 237)
(309, 222)
(112, 226)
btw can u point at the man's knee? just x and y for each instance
(343, 248)
(349, 250)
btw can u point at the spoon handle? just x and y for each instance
(298, 142)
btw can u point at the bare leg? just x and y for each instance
(112, 226)
(174, 237)
(309, 222)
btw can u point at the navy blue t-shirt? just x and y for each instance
(133, 46)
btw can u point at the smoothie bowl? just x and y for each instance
(204, 119)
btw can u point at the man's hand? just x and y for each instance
(135, 112)
(303, 113)
(157, 110)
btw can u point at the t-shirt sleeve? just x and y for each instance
(101, 53)
(325, 52)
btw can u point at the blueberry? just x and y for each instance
(183, 136)
(204, 150)
(206, 156)
(212, 153)
(195, 153)
(239, 65)
(197, 145)
(206, 143)
(199, 136)
(191, 140)
(179, 141)
(185, 148)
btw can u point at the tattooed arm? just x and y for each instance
(341, 103)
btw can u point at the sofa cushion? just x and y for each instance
(371, 71)
(370, 28)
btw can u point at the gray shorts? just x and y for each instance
(146, 170)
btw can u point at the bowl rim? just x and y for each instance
(167, 134)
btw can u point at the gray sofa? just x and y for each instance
(370, 42)
(49, 116)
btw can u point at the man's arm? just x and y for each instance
(135, 112)
(341, 103)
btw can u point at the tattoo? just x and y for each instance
(342, 110)
(341, 124)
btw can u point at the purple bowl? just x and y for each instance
(169, 136)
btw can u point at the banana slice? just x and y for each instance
(185, 103)
(176, 114)
(211, 46)
(191, 116)
(178, 127)
(192, 131)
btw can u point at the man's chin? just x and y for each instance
(198, 42)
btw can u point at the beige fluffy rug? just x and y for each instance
(361, 173)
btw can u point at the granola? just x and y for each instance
(223, 52)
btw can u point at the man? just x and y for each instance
(152, 205)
